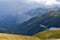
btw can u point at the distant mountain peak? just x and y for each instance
(53, 12)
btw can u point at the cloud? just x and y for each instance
(44, 2)
(53, 28)
(58, 0)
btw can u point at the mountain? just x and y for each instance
(48, 35)
(43, 21)
(40, 23)
(30, 27)
(51, 18)
(36, 12)
(7, 23)
(9, 20)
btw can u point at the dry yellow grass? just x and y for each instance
(45, 35)
(16, 37)
(50, 34)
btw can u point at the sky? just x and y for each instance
(20, 6)
(45, 2)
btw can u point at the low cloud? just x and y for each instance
(44, 2)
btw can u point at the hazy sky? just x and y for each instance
(24, 5)
(46, 2)
(20, 6)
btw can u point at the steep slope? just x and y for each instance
(9, 21)
(36, 12)
(51, 18)
(40, 23)
(34, 25)
(48, 34)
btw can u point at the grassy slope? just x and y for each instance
(45, 35)
(16, 37)
(50, 34)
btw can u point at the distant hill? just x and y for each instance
(36, 12)
(48, 18)
(40, 23)
(31, 25)
(51, 18)
(48, 34)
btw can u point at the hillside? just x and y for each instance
(51, 18)
(16, 37)
(48, 34)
